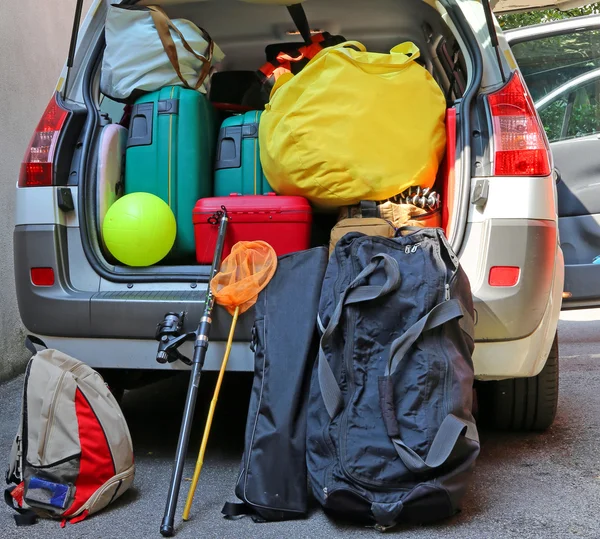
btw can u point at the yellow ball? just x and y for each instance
(139, 229)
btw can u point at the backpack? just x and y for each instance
(72, 455)
(390, 434)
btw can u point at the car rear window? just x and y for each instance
(548, 62)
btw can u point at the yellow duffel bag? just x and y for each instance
(354, 125)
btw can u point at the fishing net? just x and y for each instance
(244, 273)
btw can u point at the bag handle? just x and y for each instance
(163, 23)
(408, 48)
(353, 294)
(400, 54)
(452, 427)
(31, 341)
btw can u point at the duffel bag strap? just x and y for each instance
(442, 446)
(438, 316)
(369, 208)
(233, 511)
(452, 427)
(353, 294)
(25, 517)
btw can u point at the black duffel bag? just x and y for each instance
(391, 437)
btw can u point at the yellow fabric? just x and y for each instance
(352, 126)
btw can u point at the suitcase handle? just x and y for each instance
(229, 152)
(140, 125)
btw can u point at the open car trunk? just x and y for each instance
(243, 31)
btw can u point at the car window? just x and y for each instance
(584, 117)
(574, 114)
(553, 117)
(548, 62)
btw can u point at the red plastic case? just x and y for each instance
(282, 221)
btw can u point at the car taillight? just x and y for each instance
(42, 276)
(521, 147)
(37, 166)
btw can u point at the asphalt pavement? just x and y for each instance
(524, 486)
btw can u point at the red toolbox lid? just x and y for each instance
(255, 208)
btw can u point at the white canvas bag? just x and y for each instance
(146, 51)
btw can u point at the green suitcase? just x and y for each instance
(170, 153)
(238, 169)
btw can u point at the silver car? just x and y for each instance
(500, 194)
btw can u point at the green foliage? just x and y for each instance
(583, 120)
(518, 20)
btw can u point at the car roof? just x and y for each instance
(563, 26)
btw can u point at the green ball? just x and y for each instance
(139, 229)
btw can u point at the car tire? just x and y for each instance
(521, 404)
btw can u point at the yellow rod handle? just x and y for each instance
(211, 412)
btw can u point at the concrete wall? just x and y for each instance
(34, 43)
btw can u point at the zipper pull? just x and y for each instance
(325, 492)
(447, 291)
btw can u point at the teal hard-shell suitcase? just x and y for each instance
(238, 169)
(170, 153)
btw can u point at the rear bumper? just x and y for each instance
(511, 313)
(112, 325)
(141, 354)
(527, 356)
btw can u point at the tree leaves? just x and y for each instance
(518, 20)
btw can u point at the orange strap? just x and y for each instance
(284, 60)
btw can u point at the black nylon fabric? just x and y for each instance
(351, 456)
(273, 480)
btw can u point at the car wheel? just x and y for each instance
(521, 404)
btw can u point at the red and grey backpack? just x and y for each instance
(72, 455)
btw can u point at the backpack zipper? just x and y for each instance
(49, 423)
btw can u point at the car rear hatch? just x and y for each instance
(415, 20)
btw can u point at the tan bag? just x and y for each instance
(398, 215)
(371, 226)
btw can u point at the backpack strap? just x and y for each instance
(31, 341)
(369, 208)
(452, 427)
(353, 294)
(25, 517)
